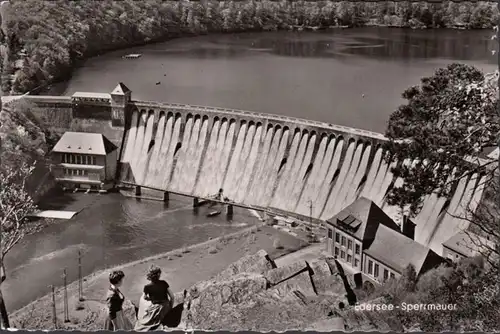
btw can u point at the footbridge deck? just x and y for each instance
(239, 205)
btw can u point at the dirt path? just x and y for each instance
(304, 254)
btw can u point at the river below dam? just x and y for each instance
(351, 77)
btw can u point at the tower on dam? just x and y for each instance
(120, 99)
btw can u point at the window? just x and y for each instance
(370, 267)
(330, 234)
(392, 275)
(376, 270)
(386, 274)
(337, 237)
(94, 161)
(84, 172)
(72, 158)
(343, 241)
(357, 251)
(78, 159)
(342, 254)
(349, 258)
(356, 262)
(336, 251)
(349, 244)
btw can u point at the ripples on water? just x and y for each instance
(109, 230)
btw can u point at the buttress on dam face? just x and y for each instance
(261, 160)
(285, 166)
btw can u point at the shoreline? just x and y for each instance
(66, 75)
(195, 250)
(88, 279)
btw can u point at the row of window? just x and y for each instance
(374, 269)
(75, 172)
(342, 240)
(346, 257)
(79, 159)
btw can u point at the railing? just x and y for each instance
(237, 112)
(232, 112)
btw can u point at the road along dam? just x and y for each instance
(295, 165)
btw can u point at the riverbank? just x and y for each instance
(181, 268)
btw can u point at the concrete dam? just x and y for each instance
(299, 166)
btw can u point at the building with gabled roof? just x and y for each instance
(363, 237)
(84, 160)
(467, 244)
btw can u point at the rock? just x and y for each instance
(130, 311)
(327, 325)
(255, 263)
(206, 301)
(301, 282)
(324, 282)
(366, 320)
(276, 275)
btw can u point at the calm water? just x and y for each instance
(320, 76)
(111, 229)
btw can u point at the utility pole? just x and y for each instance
(54, 313)
(66, 308)
(80, 283)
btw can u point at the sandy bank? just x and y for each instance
(181, 268)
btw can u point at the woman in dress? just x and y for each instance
(156, 301)
(114, 298)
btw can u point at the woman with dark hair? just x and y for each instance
(116, 319)
(156, 301)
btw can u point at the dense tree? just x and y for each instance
(56, 34)
(15, 205)
(441, 132)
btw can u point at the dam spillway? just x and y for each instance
(277, 162)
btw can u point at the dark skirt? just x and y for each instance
(121, 322)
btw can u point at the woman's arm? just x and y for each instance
(171, 295)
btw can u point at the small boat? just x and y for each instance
(132, 56)
(158, 83)
(213, 213)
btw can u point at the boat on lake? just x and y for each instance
(213, 213)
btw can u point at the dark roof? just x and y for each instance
(468, 244)
(85, 143)
(120, 89)
(360, 213)
(396, 250)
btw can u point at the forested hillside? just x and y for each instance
(46, 38)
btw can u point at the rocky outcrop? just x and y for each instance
(259, 262)
(372, 320)
(252, 294)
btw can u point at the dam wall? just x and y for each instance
(269, 161)
(63, 113)
(303, 167)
